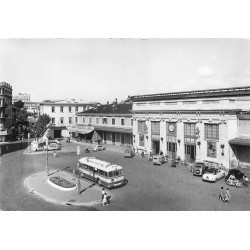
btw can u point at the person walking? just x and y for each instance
(222, 194)
(103, 193)
(54, 154)
(104, 200)
(142, 154)
(227, 196)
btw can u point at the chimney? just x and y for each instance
(116, 100)
(107, 103)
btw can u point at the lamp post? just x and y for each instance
(28, 142)
(47, 159)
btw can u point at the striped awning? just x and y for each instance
(244, 141)
(80, 130)
(114, 129)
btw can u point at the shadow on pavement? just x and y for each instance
(90, 186)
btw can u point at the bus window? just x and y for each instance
(86, 166)
(111, 174)
(116, 173)
(106, 174)
(91, 168)
(101, 172)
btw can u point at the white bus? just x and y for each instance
(102, 172)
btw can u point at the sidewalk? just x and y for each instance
(38, 184)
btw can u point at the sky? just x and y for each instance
(100, 70)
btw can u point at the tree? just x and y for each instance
(18, 104)
(39, 126)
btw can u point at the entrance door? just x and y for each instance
(171, 150)
(104, 136)
(57, 133)
(156, 147)
(122, 139)
(113, 138)
(190, 152)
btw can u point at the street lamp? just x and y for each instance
(28, 142)
(47, 159)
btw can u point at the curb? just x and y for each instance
(47, 199)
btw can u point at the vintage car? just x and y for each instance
(199, 168)
(236, 172)
(158, 159)
(129, 153)
(213, 174)
(98, 148)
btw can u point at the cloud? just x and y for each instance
(205, 71)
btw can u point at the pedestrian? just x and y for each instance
(78, 187)
(54, 154)
(245, 181)
(104, 200)
(103, 193)
(227, 196)
(108, 199)
(142, 154)
(222, 194)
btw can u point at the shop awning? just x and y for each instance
(244, 141)
(96, 137)
(80, 130)
(114, 129)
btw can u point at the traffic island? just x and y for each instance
(63, 189)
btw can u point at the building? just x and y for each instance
(33, 107)
(109, 123)
(5, 110)
(21, 97)
(192, 125)
(63, 115)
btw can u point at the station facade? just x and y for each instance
(192, 125)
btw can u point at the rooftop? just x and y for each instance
(223, 92)
(115, 108)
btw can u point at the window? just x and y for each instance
(76, 109)
(70, 120)
(131, 122)
(90, 120)
(211, 149)
(212, 131)
(69, 109)
(53, 120)
(53, 109)
(155, 128)
(83, 120)
(122, 122)
(104, 120)
(97, 120)
(61, 120)
(61, 109)
(113, 121)
(76, 119)
(189, 129)
(141, 127)
(141, 140)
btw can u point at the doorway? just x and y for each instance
(156, 147)
(190, 152)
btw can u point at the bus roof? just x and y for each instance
(96, 163)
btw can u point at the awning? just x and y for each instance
(114, 129)
(96, 137)
(244, 141)
(81, 130)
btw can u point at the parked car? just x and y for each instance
(53, 146)
(236, 172)
(129, 153)
(158, 159)
(98, 148)
(199, 168)
(55, 141)
(213, 174)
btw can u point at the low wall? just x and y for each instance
(12, 146)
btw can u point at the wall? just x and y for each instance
(12, 146)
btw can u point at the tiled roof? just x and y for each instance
(119, 108)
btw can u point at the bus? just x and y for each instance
(104, 173)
